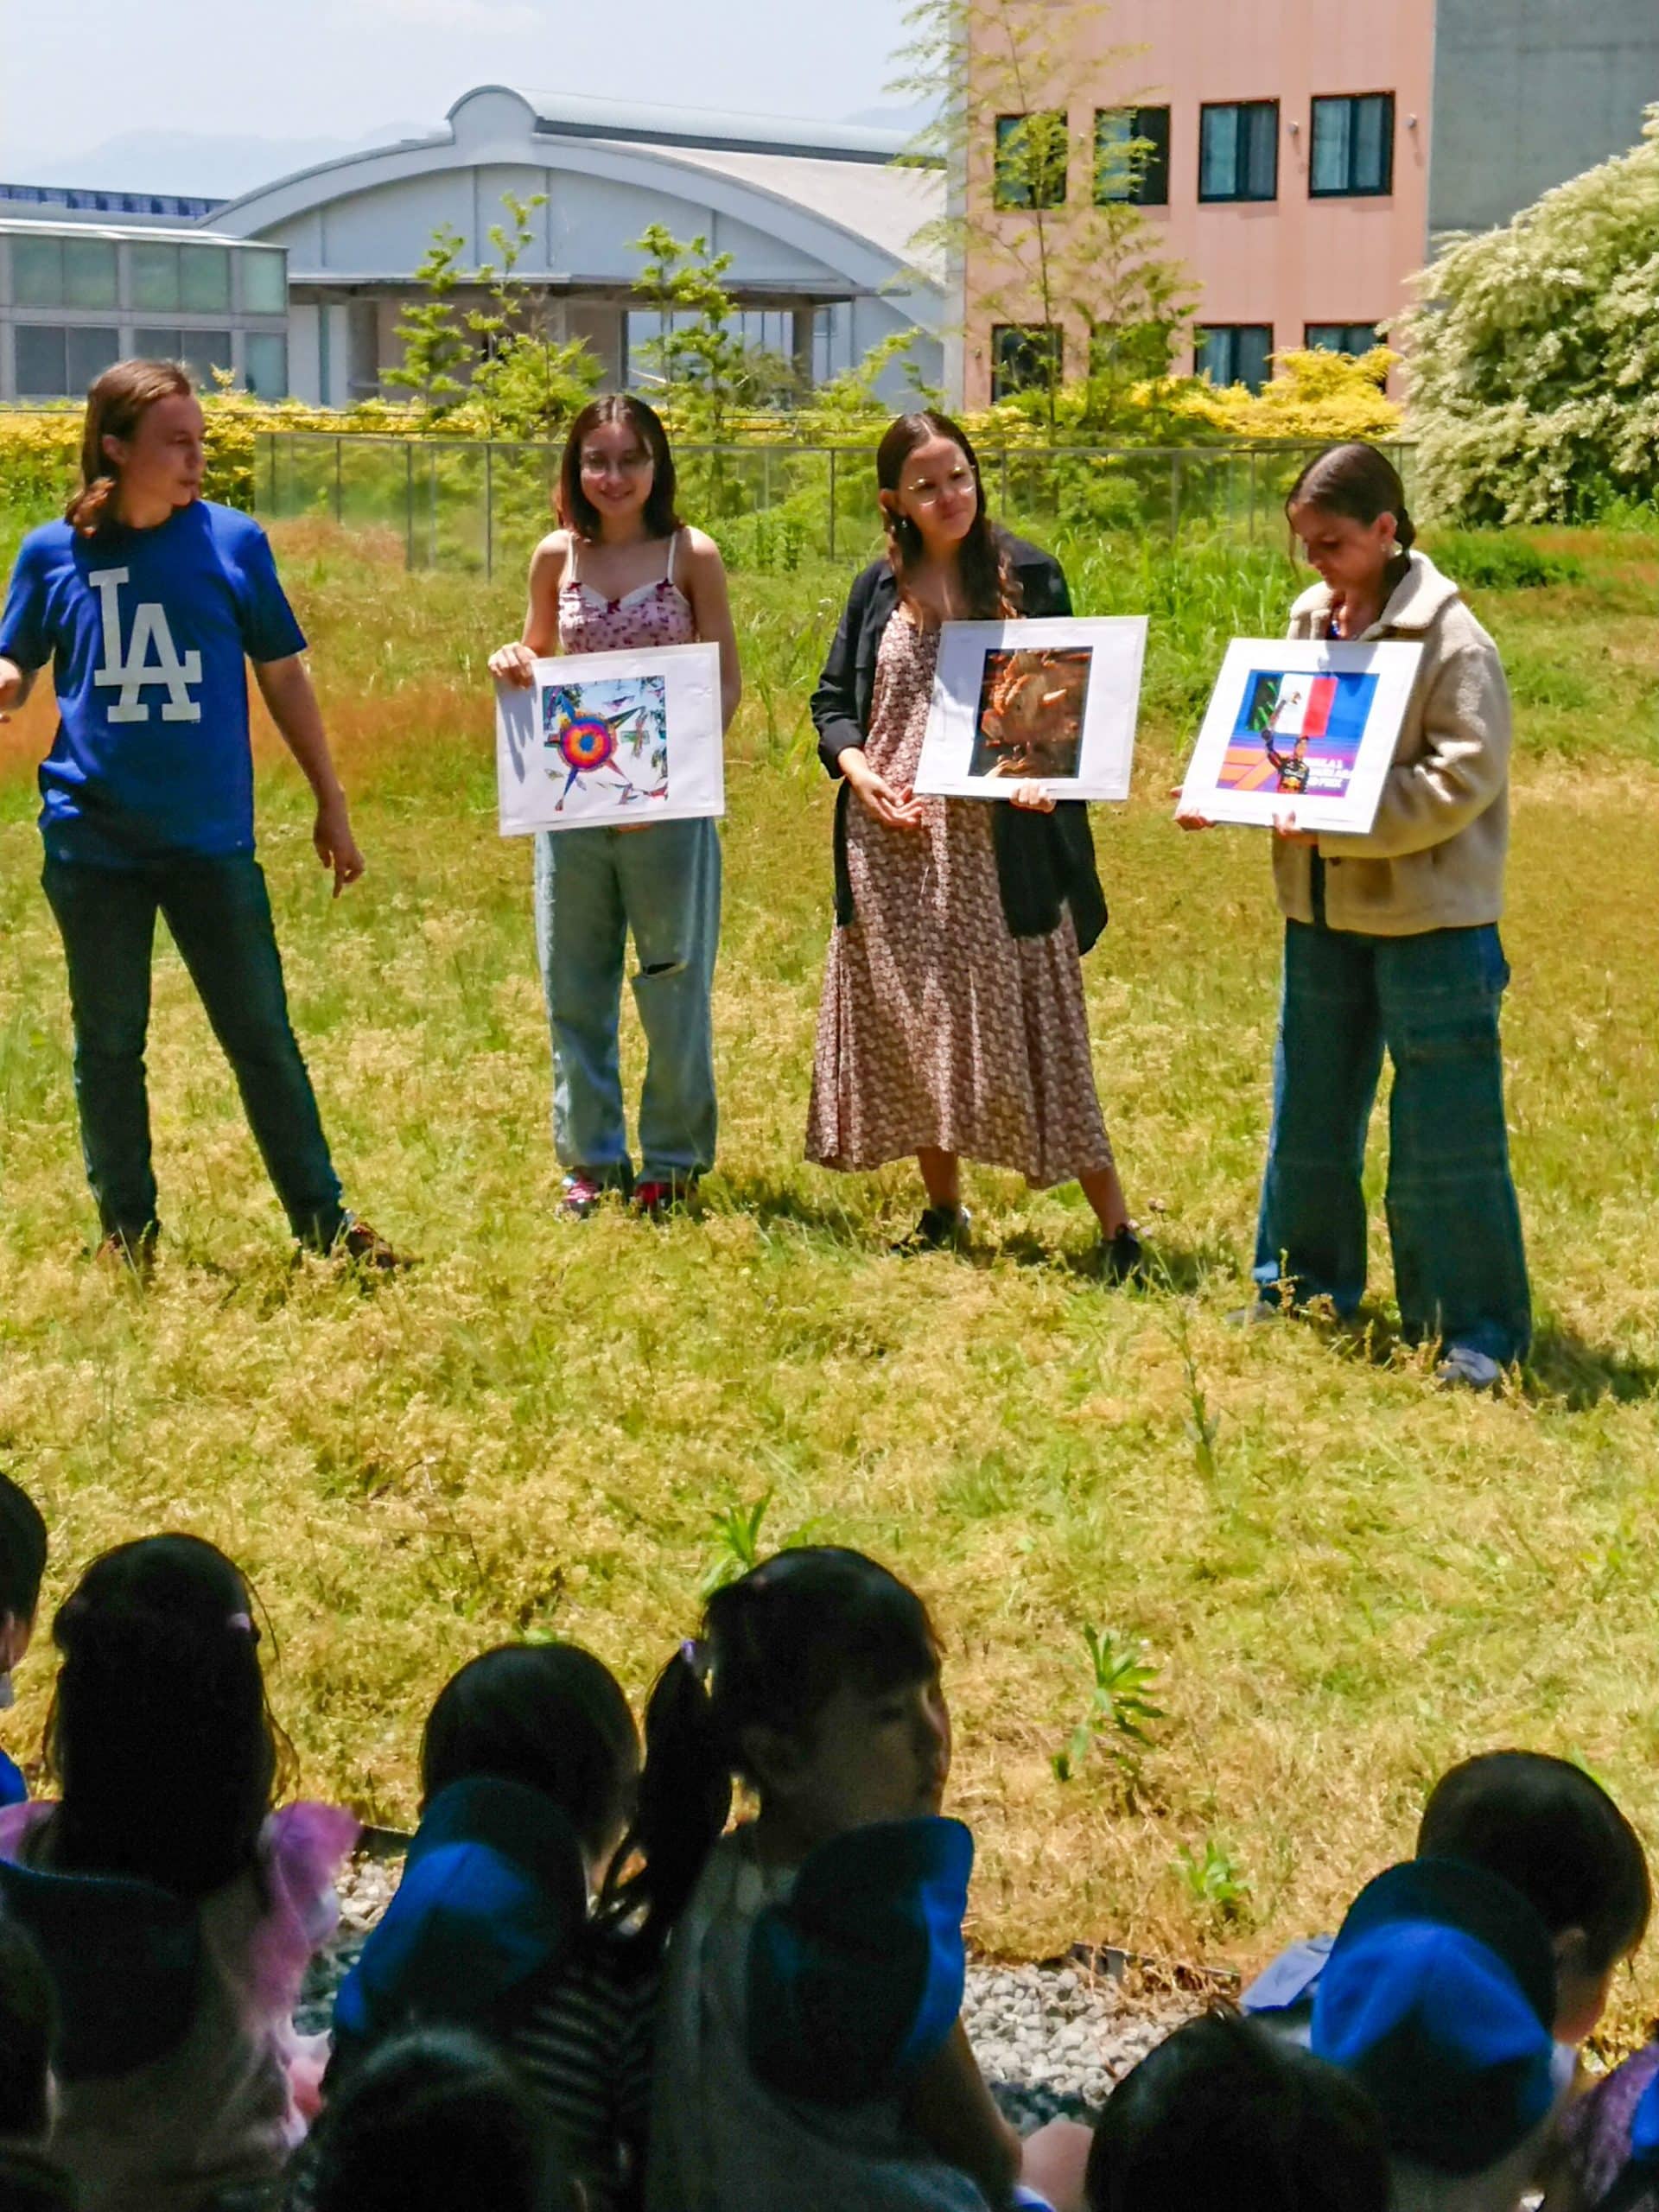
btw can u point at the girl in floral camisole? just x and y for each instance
(625, 574)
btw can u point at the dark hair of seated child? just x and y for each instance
(1553, 1833)
(529, 1763)
(22, 1564)
(436, 2121)
(1225, 2112)
(29, 2022)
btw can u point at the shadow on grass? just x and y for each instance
(1577, 1374)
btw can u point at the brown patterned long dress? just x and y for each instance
(938, 1028)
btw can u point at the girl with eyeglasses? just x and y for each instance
(953, 1019)
(624, 573)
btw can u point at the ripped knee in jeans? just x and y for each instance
(659, 968)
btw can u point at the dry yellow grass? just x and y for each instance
(534, 1432)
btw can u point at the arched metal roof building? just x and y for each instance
(820, 225)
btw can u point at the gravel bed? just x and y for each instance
(1050, 2040)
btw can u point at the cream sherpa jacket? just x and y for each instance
(1433, 858)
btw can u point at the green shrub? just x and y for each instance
(1489, 560)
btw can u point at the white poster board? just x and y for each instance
(1307, 727)
(1051, 701)
(612, 741)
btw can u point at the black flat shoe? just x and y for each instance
(941, 1229)
(1122, 1256)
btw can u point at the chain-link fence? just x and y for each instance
(469, 507)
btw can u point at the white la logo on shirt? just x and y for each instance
(149, 627)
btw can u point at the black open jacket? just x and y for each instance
(1044, 862)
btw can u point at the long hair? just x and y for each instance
(1358, 481)
(989, 584)
(115, 406)
(548, 1715)
(160, 1739)
(776, 1646)
(576, 510)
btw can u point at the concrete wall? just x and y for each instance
(1529, 92)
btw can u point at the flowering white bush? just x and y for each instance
(1534, 353)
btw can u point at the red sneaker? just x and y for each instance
(654, 1200)
(580, 1196)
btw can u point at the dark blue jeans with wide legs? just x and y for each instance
(1431, 1002)
(219, 915)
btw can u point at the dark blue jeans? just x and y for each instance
(219, 915)
(1431, 1001)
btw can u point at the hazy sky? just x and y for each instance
(78, 73)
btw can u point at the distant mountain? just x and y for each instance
(211, 165)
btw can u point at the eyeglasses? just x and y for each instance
(597, 464)
(927, 493)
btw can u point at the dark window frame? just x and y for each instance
(1151, 186)
(1001, 199)
(1037, 337)
(1234, 331)
(1241, 158)
(1349, 189)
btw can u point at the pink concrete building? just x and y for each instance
(1303, 157)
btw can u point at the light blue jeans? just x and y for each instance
(593, 887)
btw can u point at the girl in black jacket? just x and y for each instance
(953, 1019)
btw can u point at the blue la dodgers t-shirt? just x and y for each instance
(146, 631)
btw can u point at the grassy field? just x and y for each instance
(1342, 1580)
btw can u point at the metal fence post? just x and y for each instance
(489, 511)
(1174, 494)
(408, 502)
(1252, 495)
(832, 503)
(1005, 484)
(339, 514)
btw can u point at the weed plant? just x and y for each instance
(1345, 1581)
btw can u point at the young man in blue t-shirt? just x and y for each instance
(145, 601)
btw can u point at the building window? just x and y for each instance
(89, 273)
(202, 350)
(266, 365)
(1353, 148)
(154, 276)
(37, 272)
(1033, 154)
(1024, 357)
(205, 279)
(1132, 156)
(264, 282)
(55, 362)
(1351, 338)
(1239, 151)
(1235, 353)
(833, 351)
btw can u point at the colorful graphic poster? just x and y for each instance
(1051, 701)
(612, 740)
(1302, 728)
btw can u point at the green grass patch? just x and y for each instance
(1339, 1581)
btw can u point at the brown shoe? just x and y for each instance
(135, 1252)
(365, 1247)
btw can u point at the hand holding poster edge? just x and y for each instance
(617, 740)
(1015, 701)
(1307, 727)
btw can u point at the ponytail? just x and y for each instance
(776, 1645)
(684, 1800)
(115, 405)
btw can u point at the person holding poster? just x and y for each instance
(952, 1020)
(624, 573)
(147, 600)
(1391, 944)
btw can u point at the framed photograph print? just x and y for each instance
(1308, 727)
(1051, 701)
(611, 739)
